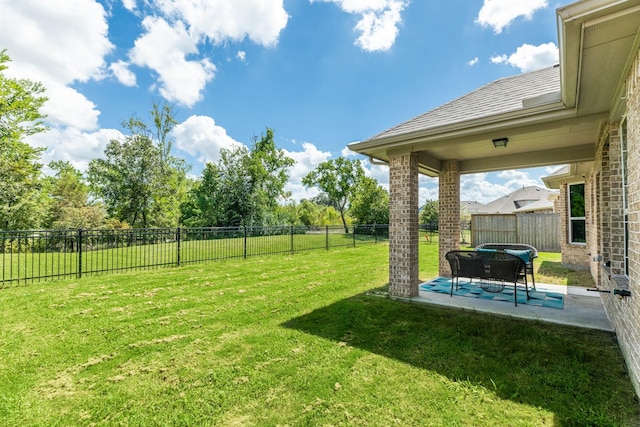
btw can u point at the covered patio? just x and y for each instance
(583, 113)
(526, 117)
(553, 116)
(582, 308)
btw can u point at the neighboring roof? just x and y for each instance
(539, 205)
(472, 207)
(520, 199)
(501, 96)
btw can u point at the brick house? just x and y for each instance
(584, 112)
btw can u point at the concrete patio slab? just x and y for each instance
(582, 308)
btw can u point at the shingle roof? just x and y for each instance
(499, 97)
(538, 205)
(517, 199)
(472, 206)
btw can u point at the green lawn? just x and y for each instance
(291, 340)
(27, 266)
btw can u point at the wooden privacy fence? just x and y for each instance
(539, 230)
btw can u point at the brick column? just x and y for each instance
(616, 201)
(403, 225)
(449, 212)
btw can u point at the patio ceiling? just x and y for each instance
(550, 117)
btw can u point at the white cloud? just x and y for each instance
(59, 43)
(73, 145)
(499, 59)
(164, 48)
(379, 30)
(379, 21)
(241, 55)
(346, 152)
(175, 31)
(121, 71)
(378, 172)
(530, 58)
(428, 189)
(259, 20)
(68, 107)
(305, 161)
(487, 187)
(477, 188)
(516, 179)
(499, 14)
(202, 138)
(129, 4)
(473, 62)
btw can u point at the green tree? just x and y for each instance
(429, 212)
(242, 188)
(309, 213)
(214, 199)
(70, 206)
(330, 216)
(268, 174)
(370, 203)
(171, 182)
(338, 179)
(139, 180)
(21, 205)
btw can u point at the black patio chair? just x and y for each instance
(469, 264)
(494, 266)
(507, 268)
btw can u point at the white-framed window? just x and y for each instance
(577, 221)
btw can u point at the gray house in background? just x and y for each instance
(525, 199)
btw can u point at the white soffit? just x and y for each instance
(606, 45)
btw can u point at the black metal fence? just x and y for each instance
(29, 256)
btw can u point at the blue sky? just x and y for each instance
(321, 73)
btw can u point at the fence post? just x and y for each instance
(354, 235)
(79, 253)
(326, 234)
(375, 233)
(245, 243)
(178, 236)
(292, 239)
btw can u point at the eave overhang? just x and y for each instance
(543, 135)
(598, 40)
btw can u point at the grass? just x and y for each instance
(549, 269)
(291, 340)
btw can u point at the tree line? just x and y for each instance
(140, 183)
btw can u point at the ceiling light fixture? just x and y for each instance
(500, 142)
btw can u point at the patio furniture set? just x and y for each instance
(494, 265)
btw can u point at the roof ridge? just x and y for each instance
(443, 107)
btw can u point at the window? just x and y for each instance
(577, 223)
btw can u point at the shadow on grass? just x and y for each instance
(562, 274)
(577, 374)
